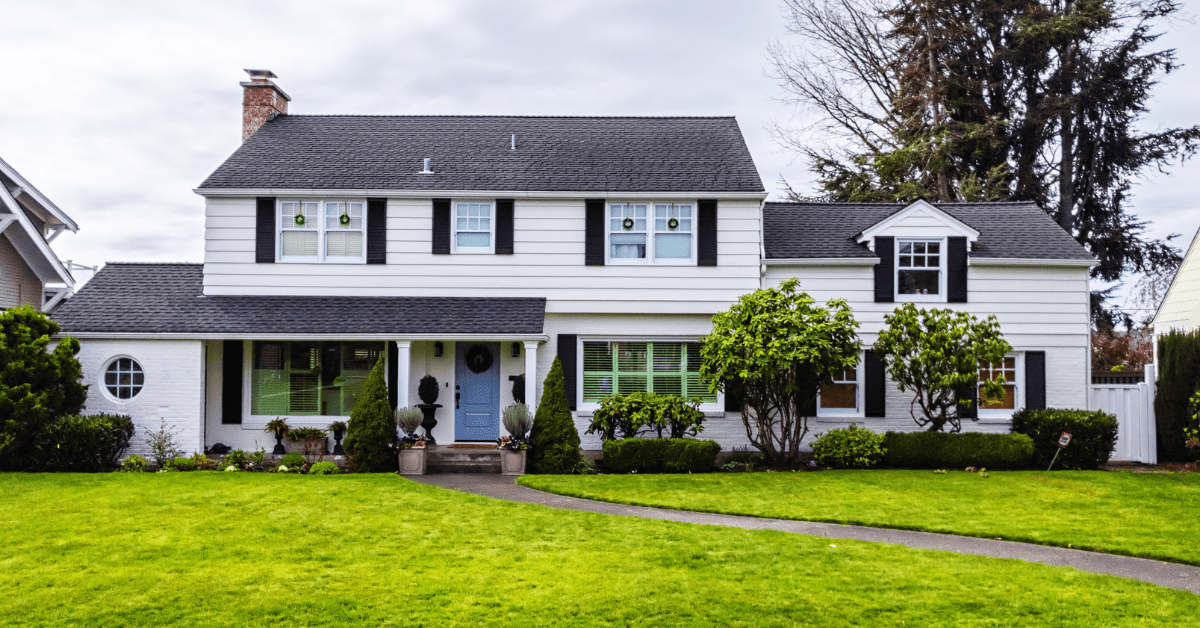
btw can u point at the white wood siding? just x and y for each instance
(19, 285)
(1180, 310)
(547, 261)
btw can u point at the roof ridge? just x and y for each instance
(154, 263)
(491, 115)
(893, 203)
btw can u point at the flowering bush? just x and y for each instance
(505, 442)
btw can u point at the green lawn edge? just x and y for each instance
(527, 481)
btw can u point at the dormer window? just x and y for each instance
(651, 233)
(322, 231)
(919, 269)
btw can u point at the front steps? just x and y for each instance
(441, 459)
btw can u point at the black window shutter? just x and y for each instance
(441, 226)
(1035, 380)
(393, 374)
(970, 411)
(956, 270)
(231, 382)
(264, 231)
(810, 409)
(376, 230)
(593, 245)
(875, 380)
(733, 398)
(885, 270)
(706, 232)
(504, 226)
(566, 355)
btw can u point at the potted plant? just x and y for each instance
(512, 447)
(338, 428)
(312, 442)
(412, 446)
(428, 391)
(280, 427)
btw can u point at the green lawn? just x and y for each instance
(215, 549)
(1137, 514)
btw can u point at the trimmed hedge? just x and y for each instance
(83, 443)
(939, 450)
(1093, 436)
(1178, 379)
(660, 455)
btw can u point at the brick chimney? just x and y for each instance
(262, 100)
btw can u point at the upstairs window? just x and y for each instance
(666, 368)
(474, 229)
(322, 231)
(919, 269)
(645, 233)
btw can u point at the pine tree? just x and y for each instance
(555, 440)
(371, 435)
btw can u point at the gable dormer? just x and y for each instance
(922, 255)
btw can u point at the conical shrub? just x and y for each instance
(555, 446)
(371, 435)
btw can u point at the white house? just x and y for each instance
(30, 272)
(1180, 307)
(477, 249)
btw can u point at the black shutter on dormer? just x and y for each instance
(264, 230)
(566, 355)
(593, 236)
(875, 384)
(1035, 380)
(441, 226)
(706, 232)
(504, 226)
(376, 230)
(956, 270)
(885, 270)
(231, 382)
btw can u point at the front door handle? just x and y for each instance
(456, 397)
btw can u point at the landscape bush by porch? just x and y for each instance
(660, 455)
(1093, 436)
(85, 444)
(554, 440)
(626, 416)
(324, 468)
(1178, 379)
(370, 439)
(291, 463)
(848, 448)
(941, 450)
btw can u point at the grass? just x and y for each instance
(1135, 514)
(212, 549)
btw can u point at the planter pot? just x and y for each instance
(428, 422)
(412, 461)
(512, 462)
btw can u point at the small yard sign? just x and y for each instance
(1063, 440)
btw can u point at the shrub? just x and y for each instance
(324, 468)
(408, 419)
(134, 464)
(517, 421)
(1178, 379)
(235, 459)
(1093, 436)
(83, 443)
(370, 439)
(312, 441)
(184, 464)
(849, 448)
(935, 450)
(658, 455)
(162, 444)
(204, 463)
(629, 414)
(555, 446)
(427, 389)
(294, 463)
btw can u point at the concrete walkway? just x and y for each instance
(1163, 574)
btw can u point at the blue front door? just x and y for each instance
(477, 391)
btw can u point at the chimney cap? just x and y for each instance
(261, 74)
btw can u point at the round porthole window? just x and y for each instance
(124, 378)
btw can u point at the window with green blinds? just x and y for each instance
(666, 368)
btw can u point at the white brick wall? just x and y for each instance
(172, 393)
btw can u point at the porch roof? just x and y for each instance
(138, 299)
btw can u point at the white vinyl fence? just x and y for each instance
(1133, 405)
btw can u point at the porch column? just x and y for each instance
(531, 374)
(403, 368)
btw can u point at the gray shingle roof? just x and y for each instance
(1006, 230)
(474, 153)
(168, 299)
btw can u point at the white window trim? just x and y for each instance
(940, 297)
(321, 230)
(104, 385)
(649, 260)
(587, 408)
(859, 397)
(472, 250)
(1018, 398)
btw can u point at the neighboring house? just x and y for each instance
(1180, 308)
(478, 249)
(30, 272)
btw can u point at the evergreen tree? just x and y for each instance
(555, 447)
(371, 436)
(37, 386)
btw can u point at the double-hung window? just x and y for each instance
(665, 368)
(649, 233)
(919, 269)
(309, 378)
(474, 228)
(842, 395)
(322, 231)
(993, 371)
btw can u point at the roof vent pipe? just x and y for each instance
(514, 141)
(425, 169)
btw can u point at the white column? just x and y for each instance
(403, 368)
(531, 374)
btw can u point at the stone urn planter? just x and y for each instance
(512, 462)
(412, 461)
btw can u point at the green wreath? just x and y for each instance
(628, 224)
(299, 220)
(344, 220)
(672, 224)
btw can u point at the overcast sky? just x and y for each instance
(117, 110)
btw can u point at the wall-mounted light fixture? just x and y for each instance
(438, 349)
(516, 349)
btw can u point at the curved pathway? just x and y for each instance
(1170, 575)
